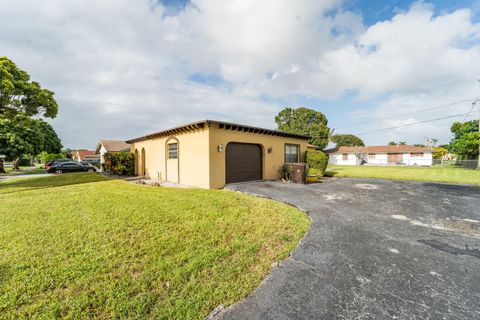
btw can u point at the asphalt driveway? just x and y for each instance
(376, 250)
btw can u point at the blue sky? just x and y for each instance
(375, 11)
(341, 109)
(123, 69)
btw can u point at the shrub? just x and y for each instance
(121, 163)
(439, 153)
(286, 172)
(317, 162)
(25, 162)
(46, 157)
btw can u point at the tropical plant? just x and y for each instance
(317, 162)
(121, 163)
(466, 140)
(20, 100)
(305, 121)
(347, 140)
(439, 153)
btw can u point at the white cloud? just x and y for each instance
(122, 68)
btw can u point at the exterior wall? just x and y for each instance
(426, 160)
(193, 167)
(272, 162)
(102, 152)
(337, 158)
(381, 159)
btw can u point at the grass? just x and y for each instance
(82, 246)
(432, 174)
(23, 170)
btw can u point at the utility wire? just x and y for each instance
(409, 113)
(467, 115)
(400, 126)
(471, 109)
(412, 124)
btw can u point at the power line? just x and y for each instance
(467, 115)
(470, 111)
(411, 124)
(409, 113)
(400, 126)
(414, 123)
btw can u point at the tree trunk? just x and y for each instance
(2, 169)
(16, 163)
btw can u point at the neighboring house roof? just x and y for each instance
(379, 149)
(113, 146)
(82, 154)
(223, 125)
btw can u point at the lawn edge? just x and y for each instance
(221, 309)
(411, 180)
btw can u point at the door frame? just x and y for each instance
(167, 142)
(136, 162)
(144, 171)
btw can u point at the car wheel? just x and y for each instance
(57, 172)
(91, 170)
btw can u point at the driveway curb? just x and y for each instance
(220, 310)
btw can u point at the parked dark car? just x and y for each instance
(56, 161)
(95, 163)
(71, 166)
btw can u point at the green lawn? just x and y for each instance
(23, 170)
(82, 246)
(434, 174)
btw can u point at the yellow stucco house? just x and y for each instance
(210, 153)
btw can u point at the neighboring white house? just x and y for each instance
(104, 146)
(381, 155)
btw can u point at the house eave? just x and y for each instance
(199, 125)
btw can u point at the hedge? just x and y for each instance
(121, 163)
(317, 162)
(46, 157)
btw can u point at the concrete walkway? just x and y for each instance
(376, 250)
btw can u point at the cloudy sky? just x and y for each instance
(124, 68)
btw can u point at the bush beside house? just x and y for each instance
(317, 162)
(46, 157)
(121, 163)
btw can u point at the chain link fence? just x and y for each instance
(467, 164)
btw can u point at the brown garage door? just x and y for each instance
(243, 162)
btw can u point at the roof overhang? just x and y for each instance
(222, 125)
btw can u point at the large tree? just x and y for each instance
(347, 140)
(18, 94)
(466, 140)
(21, 99)
(305, 121)
(22, 135)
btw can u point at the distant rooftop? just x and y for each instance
(113, 145)
(378, 149)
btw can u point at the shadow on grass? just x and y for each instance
(330, 173)
(20, 172)
(27, 184)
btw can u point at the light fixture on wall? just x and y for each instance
(220, 148)
(270, 150)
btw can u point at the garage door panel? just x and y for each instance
(243, 162)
